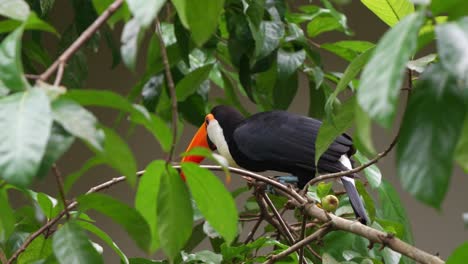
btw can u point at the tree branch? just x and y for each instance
(75, 46)
(339, 223)
(58, 178)
(172, 91)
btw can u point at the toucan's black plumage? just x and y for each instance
(285, 142)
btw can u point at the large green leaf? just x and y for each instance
(191, 82)
(459, 255)
(329, 131)
(25, 124)
(118, 155)
(145, 11)
(104, 237)
(124, 215)
(15, 9)
(363, 135)
(72, 246)
(214, 201)
(146, 199)
(7, 221)
(201, 17)
(430, 130)
(452, 40)
(322, 24)
(131, 36)
(461, 152)
(33, 22)
(373, 174)
(390, 11)
(382, 77)
(286, 81)
(77, 121)
(174, 213)
(11, 69)
(267, 38)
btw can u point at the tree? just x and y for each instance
(255, 48)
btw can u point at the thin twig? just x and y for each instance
(172, 92)
(31, 76)
(59, 76)
(58, 178)
(75, 46)
(254, 229)
(303, 231)
(316, 235)
(280, 219)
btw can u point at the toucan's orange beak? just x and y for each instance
(199, 140)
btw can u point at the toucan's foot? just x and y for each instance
(287, 179)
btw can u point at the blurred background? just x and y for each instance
(434, 231)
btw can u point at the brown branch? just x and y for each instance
(302, 237)
(58, 178)
(254, 229)
(172, 91)
(280, 219)
(316, 235)
(59, 76)
(339, 223)
(85, 36)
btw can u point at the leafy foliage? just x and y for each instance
(249, 53)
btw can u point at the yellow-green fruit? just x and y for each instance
(330, 203)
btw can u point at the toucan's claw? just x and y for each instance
(285, 180)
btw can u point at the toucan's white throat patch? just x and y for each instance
(216, 135)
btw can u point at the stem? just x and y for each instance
(58, 178)
(75, 46)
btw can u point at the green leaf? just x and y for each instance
(15, 9)
(191, 82)
(11, 69)
(214, 201)
(59, 142)
(286, 81)
(138, 114)
(151, 92)
(459, 255)
(363, 134)
(329, 131)
(203, 256)
(146, 199)
(25, 124)
(145, 11)
(323, 24)
(267, 38)
(201, 17)
(454, 8)
(368, 200)
(350, 73)
(131, 37)
(124, 215)
(373, 174)
(77, 121)
(72, 246)
(7, 221)
(35, 23)
(382, 77)
(461, 151)
(420, 64)
(390, 11)
(39, 249)
(393, 209)
(428, 136)
(47, 204)
(174, 213)
(452, 39)
(348, 49)
(121, 14)
(323, 189)
(104, 237)
(118, 155)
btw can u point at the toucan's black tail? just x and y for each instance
(355, 199)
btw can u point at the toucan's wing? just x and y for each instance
(279, 137)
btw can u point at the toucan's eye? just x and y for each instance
(207, 121)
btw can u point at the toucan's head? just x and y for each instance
(216, 131)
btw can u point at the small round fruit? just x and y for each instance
(330, 203)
